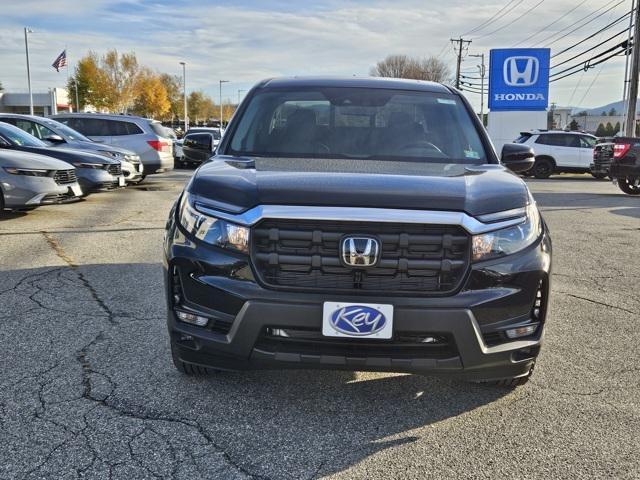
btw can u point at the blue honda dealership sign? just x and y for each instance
(519, 79)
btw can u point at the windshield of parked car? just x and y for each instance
(360, 123)
(65, 131)
(19, 137)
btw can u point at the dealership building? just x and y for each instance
(54, 101)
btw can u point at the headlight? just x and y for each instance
(132, 158)
(508, 240)
(88, 165)
(30, 172)
(214, 231)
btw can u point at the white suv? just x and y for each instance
(559, 152)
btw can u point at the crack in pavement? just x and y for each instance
(598, 302)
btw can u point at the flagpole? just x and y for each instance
(66, 53)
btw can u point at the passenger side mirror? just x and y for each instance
(200, 142)
(55, 139)
(517, 157)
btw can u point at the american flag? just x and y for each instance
(61, 61)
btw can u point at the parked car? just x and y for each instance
(28, 180)
(625, 165)
(602, 156)
(145, 137)
(198, 147)
(59, 135)
(359, 224)
(559, 151)
(95, 172)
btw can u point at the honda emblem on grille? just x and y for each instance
(360, 251)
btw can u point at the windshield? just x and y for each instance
(20, 137)
(65, 131)
(360, 123)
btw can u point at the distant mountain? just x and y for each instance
(618, 106)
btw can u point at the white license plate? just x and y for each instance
(121, 181)
(357, 320)
(77, 191)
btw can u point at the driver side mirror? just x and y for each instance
(517, 157)
(55, 139)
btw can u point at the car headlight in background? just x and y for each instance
(211, 230)
(110, 154)
(88, 165)
(508, 240)
(30, 172)
(132, 158)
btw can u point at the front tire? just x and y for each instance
(542, 168)
(188, 368)
(630, 185)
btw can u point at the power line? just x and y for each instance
(586, 64)
(526, 12)
(607, 27)
(550, 25)
(491, 20)
(591, 49)
(583, 25)
(591, 85)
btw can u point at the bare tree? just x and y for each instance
(403, 66)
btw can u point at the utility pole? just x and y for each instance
(483, 72)
(462, 44)
(627, 55)
(635, 66)
(27, 31)
(184, 93)
(221, 82)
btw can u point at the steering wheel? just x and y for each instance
(421, 144)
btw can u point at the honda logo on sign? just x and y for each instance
(521, 71)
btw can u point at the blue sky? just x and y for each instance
(246, 40)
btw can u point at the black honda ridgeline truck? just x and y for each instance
(359, 224)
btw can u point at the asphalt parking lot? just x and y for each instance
(87, 388)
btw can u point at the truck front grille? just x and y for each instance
(64, 177)
(414, 259)
(603, 154)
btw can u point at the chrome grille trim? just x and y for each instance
(359, 214)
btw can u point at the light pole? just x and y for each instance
(482, 71)
(27, 31)
(184, 94)
(221, 82)
(239, 92)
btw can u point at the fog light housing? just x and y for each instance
(192, 318)
(520, 332)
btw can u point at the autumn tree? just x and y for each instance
(173, 86)
(403, 66)
(122, 72)
(151, 99)
(91, 82)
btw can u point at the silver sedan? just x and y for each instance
(28, 180)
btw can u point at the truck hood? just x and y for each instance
(236, 185)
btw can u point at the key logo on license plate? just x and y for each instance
(358, 320)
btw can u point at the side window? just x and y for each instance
(117, 128)
(92, 127)
(29, 127)
(587, 142)
(544, 140)
(43, 132)
(572, 141)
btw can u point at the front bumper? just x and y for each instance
(96, 180)
(132, 171)
(22, 191)
(496, 295)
